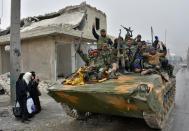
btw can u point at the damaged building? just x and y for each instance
(48, 42)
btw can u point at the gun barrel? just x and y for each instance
(124, 27)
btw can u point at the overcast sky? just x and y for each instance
(170, 15)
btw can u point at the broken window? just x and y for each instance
(97, 23)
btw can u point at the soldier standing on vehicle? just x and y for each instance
(119, 52)
(138, 58)
(138, 39)
(130, 52)
(102, 38)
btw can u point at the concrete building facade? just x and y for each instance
(49, 42)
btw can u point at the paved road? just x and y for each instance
(181, 114)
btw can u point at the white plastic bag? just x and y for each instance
(17, 104)
(30, 106)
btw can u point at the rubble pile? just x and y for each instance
(44, 85)
(5, 83)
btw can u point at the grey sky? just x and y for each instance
(172, 15)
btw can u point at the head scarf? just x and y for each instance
(27, 77)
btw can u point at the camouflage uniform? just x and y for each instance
(138, 60)
(129, 55)
(110, 59)
(114, 58)
(96, 65)
(101, 41)
(121, 56)
(166, 67)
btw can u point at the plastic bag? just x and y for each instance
(30, 105)
(17, 104)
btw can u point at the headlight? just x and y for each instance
(144, 88)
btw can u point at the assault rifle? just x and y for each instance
(118, 44)
(80, 39)
(128, 30)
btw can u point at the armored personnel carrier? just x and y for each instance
(150, 97)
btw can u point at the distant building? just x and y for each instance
(49, 41)
(173, 58)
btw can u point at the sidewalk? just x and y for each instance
(52, 115)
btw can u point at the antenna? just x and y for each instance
(152, 34)
(165, 36)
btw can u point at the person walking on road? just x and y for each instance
(22, 94)
(34, 91)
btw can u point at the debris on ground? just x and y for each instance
(5, 83)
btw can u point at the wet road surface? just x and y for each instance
(181, 114)
(179, 120)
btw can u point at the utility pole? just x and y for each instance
(187, 59)
(15, 47)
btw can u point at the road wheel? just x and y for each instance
(75, 113)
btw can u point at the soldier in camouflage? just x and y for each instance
(138, 57)
(129, 55)
(137, 40)
(110, 60)
(119, 52)
(99, 62)
(161, 48)
(95, 63)
(102, 38)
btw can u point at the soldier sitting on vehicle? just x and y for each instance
(94, 61)
(161, 48)
(153, 58)
(110, 61)
(99, 63)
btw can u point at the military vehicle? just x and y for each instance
(150, 97)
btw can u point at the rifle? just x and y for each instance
(118, 44)
(79, 46)
(152, 34)
(128, 30)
